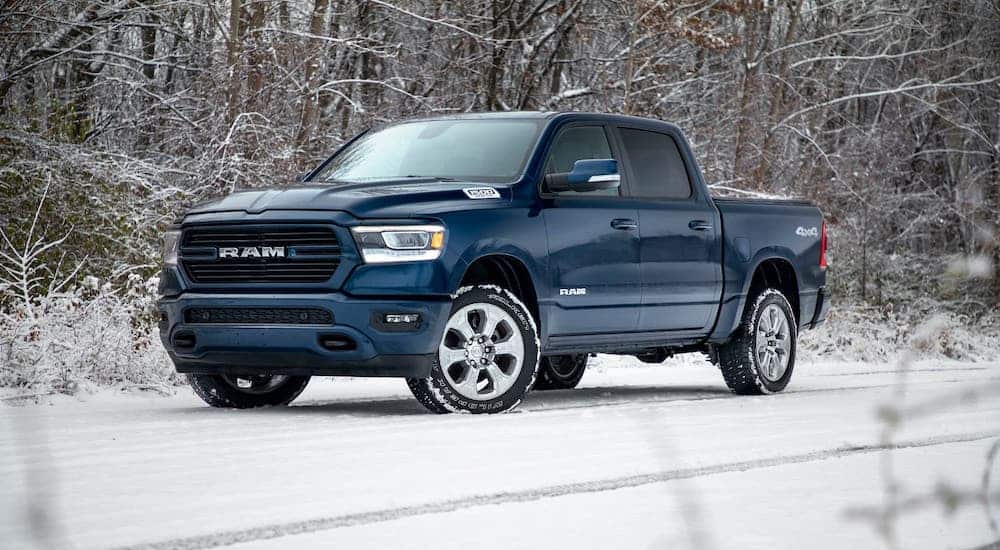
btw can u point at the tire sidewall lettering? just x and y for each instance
(453, 400)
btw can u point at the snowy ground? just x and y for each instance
(638, 457)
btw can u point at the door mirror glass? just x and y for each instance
(586, 175)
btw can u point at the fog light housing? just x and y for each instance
(396, 321)
(401, 318)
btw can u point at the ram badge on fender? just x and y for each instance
(480, 256)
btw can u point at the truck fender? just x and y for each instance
(730, 317)
(494, 247)
(763, 255)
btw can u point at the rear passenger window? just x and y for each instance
(656, 164)
(579, 143)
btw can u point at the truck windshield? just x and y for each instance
(492, 151)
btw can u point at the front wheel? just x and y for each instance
(247, 392)
(487, 356)
(760, 359)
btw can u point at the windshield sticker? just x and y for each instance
(481, 193)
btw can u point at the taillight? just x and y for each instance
(822, 246)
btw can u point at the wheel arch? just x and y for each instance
(773, 270)
(507, 270)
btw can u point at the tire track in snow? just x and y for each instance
(277, 530)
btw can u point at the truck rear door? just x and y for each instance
(679, 229)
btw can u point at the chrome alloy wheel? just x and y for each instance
(481, 352)
(256, 384)
(773, 342)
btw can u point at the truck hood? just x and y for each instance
(393, 199)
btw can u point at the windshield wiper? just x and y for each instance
(435, 178)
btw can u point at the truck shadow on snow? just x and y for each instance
(535, 402)
(613, 395)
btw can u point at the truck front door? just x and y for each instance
(593, 242)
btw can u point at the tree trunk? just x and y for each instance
(498, 54)
(148, 39)
(315, 56)
(257, 55)
(747, 92)
(763, 173)
(233, 52)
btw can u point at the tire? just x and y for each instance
(560, 372)
(478, 369)
(234, 392)
(761, 357)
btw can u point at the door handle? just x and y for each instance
(699, 225)
(624, 224)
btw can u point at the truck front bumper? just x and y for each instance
(246, 334)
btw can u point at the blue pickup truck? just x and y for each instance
(481, 256)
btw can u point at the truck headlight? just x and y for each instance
(402, 243)
(171, 242)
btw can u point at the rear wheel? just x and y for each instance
(487, 356)
(247, 392)
(561, 372)
(760, 359)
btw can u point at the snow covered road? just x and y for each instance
(637, 457)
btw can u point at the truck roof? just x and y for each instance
(532, 115)
(491, 114)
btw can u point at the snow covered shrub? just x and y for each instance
(92, 335)
(59, 332)
(867, 333)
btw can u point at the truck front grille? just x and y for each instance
(263, 254)
(259, 316)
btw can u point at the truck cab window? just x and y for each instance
(579, 143)
(656, 164)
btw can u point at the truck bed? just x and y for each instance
(754, 229)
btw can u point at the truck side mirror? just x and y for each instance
(587, 175)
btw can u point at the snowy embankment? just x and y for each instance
(638, 456)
